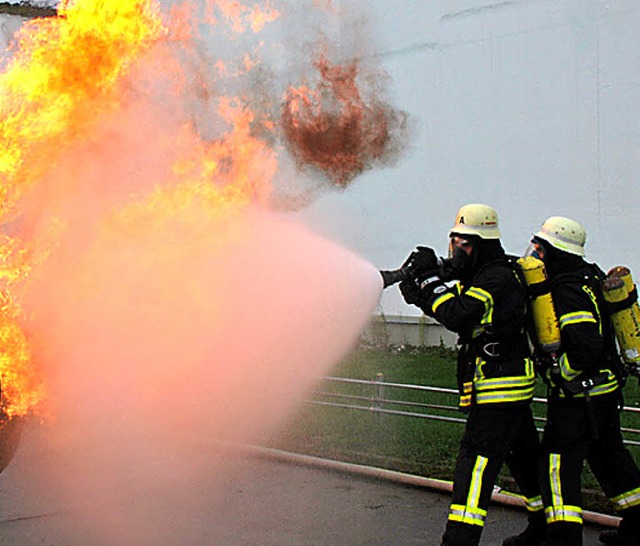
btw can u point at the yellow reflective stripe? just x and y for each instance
(465, 397)
(594, 300)
(576, 317)
(529, 368)
(610, 386)
(479, 294)
(605, 388)
(558, 511)
(486, 299)
(569, 514)
(504, 396)
(566, 371)
(440, 300)
(471, 513)
(478, 375)
(528, 377)
(504, 382)
(627, 500)
(465, 514)
(504, 389)
(534, 504)
(476, 482)
(554, 479)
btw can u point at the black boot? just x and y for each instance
(562, 533)
(533, 535)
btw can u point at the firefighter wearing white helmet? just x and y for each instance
(584, 395)
(564, 234)
(480, 220)
(486, 308)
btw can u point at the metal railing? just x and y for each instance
(381, 404)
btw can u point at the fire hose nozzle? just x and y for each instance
(408, 272)
(389, 278)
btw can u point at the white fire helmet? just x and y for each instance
(563, 234)
(476, 219)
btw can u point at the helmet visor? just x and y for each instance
(535, 249)
(457, 242)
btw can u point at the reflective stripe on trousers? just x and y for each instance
(558, 511)
(471, 513)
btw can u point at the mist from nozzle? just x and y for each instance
(161, 316)
(158, 345)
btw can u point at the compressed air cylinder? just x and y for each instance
(546, 325)
(625, 318)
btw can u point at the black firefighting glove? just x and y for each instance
(410, 291)
(424, 262)
(422, 294)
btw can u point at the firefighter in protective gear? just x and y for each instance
(582, 424)
(486, 308)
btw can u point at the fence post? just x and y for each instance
(378, 394)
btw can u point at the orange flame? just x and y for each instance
(67, 74)
(63, 69)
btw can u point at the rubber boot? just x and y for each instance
(563, 534)
(461, 534)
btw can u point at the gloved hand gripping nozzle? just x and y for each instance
(421, 264)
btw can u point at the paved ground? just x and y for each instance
(262, 502)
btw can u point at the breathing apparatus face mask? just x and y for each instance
(460, 254)
(536, 249)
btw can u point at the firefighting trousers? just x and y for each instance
(575, 432)
(494, 434)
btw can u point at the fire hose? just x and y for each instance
(499, 496)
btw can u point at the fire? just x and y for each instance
(71, 79)
(67, 74)
(65, 71)
(63, 68)
(139, 249)
(337, 128)
(21, 387)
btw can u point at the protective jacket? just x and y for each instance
(587, 343)
(487, 311)
(580, 428)
(486, 308)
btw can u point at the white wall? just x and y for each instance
(531, 106)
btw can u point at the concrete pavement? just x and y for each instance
(261, 502)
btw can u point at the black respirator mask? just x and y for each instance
(461, 254)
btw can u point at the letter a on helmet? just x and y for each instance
(476, 219)
(564, 234)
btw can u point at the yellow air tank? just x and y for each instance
(618, 289)
(545, 320)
